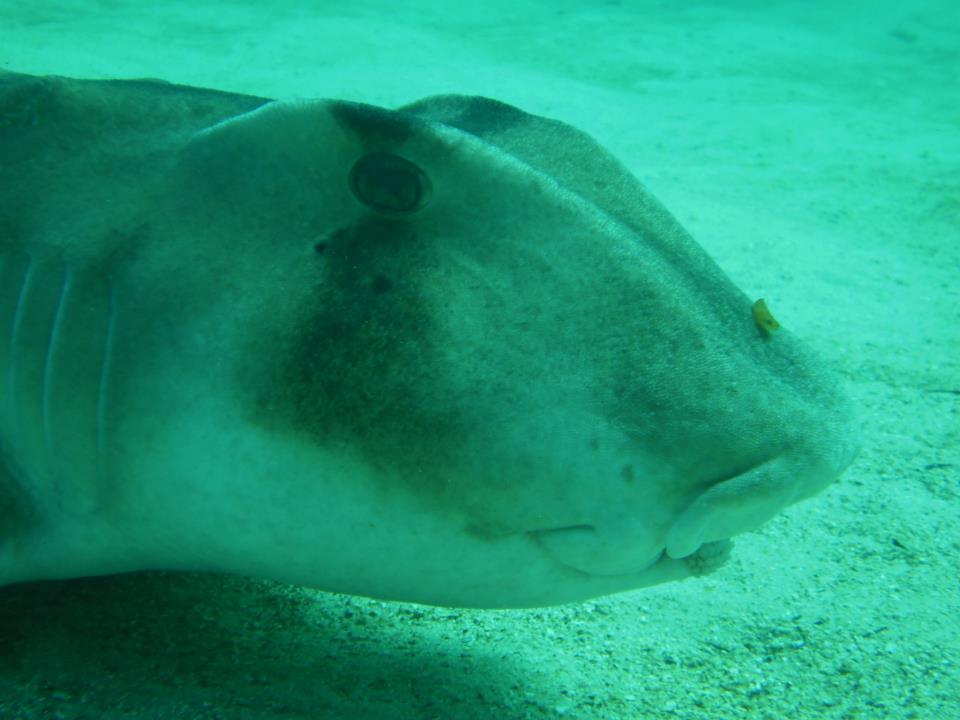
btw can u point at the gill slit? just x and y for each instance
(106, 363)
(14, 355)
(49, 361)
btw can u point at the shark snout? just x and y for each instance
(747, 500)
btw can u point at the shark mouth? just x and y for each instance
(737, 504)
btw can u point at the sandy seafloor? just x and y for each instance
(815, 153)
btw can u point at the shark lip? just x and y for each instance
(704, 560)
(741, 502)
(731, 503)
(565, 543)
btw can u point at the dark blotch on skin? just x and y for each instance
(476, 115)
(483, 116)
(375, 127)
(356, 370)
(381, 284)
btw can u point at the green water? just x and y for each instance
(813, 151)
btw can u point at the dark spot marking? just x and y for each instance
(389, 184)
(381, 284)
(594, 444)
(628, 475)
(319, 248)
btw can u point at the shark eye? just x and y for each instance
(389, 184)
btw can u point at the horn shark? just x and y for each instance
(451, 353)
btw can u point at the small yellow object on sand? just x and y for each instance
(764, 319)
